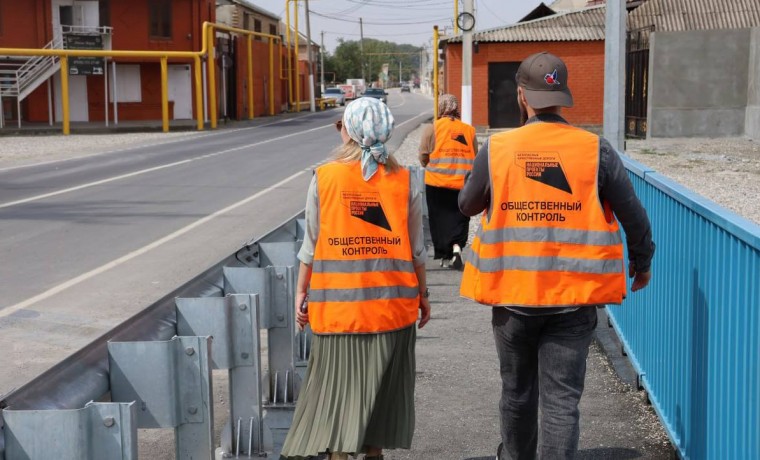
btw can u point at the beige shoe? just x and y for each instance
(338, 456)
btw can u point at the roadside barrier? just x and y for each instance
(693, 335)
(154, 370)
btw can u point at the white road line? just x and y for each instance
(403, 101)
(427, 112)
(121, 260)
(191, 135)
(156, 168)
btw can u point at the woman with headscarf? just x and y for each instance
(363, 272)
(447, 151)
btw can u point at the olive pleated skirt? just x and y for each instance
(358, 392)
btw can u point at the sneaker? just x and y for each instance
(498, 451)
(456, 261)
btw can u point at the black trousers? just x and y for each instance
(543, 362)
(448, 226)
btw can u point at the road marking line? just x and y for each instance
(191, 135)
(155, 168)
(115, 263)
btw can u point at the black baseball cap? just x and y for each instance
(543, 77)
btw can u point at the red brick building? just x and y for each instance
(577, 37)
(133, 84)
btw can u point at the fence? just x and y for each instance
(693, 335)
(154, 370)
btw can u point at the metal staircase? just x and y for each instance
(18, 79)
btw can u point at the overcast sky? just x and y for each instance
(400, 21)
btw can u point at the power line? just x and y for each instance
(378, 35)
(335, 18)
(485, 5)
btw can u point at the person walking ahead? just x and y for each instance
(363, 265)
(549, 250)
(447, 151)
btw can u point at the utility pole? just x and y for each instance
(467, 67)
(614, 74)
(309, 58)
(399, 72)
(322, 62)
(361, 44)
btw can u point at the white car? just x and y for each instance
(337, 94)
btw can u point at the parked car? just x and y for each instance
(377, 93)
(405, 88)
(337, 94)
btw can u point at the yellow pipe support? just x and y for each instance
(435, 72)
(456, 16)
(65, 95)
(211, 63)
(250, 78)
(207, 50)
(297, 70)
(198, 93)
(164, 94)
(271, 76)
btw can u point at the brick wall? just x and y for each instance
(260, 51)
(585, 64)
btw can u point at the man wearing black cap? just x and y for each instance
(547, 252)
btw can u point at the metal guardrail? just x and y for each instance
(154, 369)
(693, 335)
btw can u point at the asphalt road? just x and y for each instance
(88, 242)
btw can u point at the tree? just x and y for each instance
(347, 60)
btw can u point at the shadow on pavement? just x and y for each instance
(604, 453)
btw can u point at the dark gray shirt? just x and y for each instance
(615, 189)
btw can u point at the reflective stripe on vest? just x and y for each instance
(548, 240)
(453, 155)
(363, 278)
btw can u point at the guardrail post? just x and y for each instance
(233, 322)
(276, 288)
(103, 431)
(171, 385)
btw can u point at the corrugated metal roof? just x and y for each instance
(586, 24)
(256, 8)
(677, 15)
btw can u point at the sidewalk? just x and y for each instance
(458, 383)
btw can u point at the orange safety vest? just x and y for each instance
(453, 155)
(363, 278)
(549, 240)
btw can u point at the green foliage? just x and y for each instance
(346, 62)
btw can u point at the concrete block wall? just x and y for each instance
(752, 122)
(698, 83)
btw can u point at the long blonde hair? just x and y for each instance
(351, 151)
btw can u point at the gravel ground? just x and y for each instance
(726, 171)
(24, 150)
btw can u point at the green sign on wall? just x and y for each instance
(84, 65)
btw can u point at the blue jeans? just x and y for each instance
(542, 361)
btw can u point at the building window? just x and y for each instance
(257, 28)
(272, 29)
(104, 10)
(160, 14)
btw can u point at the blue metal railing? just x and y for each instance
(694, 334)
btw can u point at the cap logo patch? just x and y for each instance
(551, 78)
